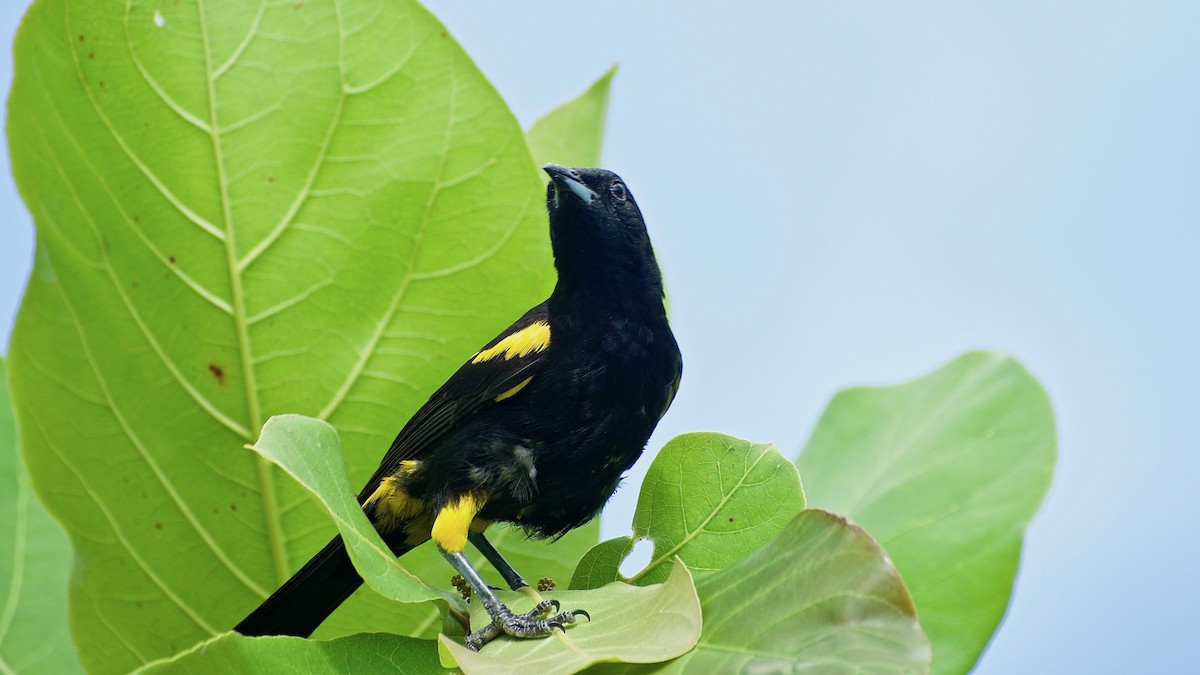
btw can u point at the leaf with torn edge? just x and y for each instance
(709, 499)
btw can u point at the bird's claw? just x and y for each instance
(527, 625)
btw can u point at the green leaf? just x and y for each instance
(708, 499)
(573, 133)
(243, 209)
(945, 471)
(34, 564)
(309, 450)
(362, 653)
(629, 624)
(821, 597)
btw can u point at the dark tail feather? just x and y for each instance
(305, 600)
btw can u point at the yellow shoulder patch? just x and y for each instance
(455, 520)
(533, 338)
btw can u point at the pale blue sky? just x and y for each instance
(853, 193)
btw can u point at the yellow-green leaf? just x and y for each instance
(573, 133)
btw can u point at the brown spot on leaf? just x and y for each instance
(233, 507)
(443, 33)
(138, 604)
(91, 55)
(101, 84)
(158, 526)
(270, 179)
(133, 283)
(171, 259)
(217, 372)
(731, 520)
(136, 218)
(81, 38)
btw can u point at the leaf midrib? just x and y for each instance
(106, 266)
(266, 476)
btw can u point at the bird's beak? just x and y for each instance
(567, 179)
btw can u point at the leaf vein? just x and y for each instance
(241, 48)
(133, 157)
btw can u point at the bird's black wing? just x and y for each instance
(492, 375)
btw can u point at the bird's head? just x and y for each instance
(597, 230)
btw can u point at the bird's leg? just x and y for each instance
(493, 556)
(527, 625)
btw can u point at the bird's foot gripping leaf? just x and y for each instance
(527, 625)
(504, 620)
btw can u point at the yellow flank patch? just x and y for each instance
(533, 338)
(513, 392)
(393, 506)
(386, 486)
(454, 520)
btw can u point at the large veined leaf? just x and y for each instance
(362, 653)
(707, 499)
(945, 472)
(243, 209)
(34, 560)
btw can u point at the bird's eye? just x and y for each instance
(618, 190)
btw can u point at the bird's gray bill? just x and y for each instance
(565, 178)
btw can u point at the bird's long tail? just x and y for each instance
(309, 597)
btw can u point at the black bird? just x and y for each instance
(535, 429)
